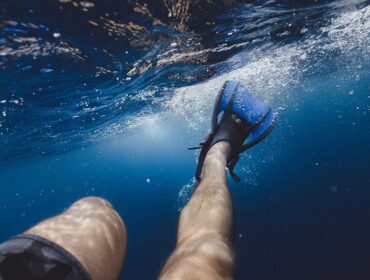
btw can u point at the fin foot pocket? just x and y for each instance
(237, 104)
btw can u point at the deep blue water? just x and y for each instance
(103, 98)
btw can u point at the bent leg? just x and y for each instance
(93, 232)
(204, 239)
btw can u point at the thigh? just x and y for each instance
(93, 232)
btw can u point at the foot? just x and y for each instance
(216, 159)
(244, 117)
(225, 144)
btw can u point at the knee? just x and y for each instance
(92, 201)
(200, 258)
(97, 209)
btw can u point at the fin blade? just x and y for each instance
(260, 131)
(245, 105)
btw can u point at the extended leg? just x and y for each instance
(204, 240)
(93, 232)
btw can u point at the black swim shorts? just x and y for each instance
(32, 257)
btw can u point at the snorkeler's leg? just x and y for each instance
(204, 248)
(93, 232)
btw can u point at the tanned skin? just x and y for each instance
(93, 232)
(204, 248)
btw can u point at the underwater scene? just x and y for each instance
(104, 98)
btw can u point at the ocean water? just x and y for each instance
(104, 97)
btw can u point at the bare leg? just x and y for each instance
(93, 232)
(204, 238)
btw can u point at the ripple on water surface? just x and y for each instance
(64, 87)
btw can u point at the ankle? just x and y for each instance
(216, 160)
(220, 151)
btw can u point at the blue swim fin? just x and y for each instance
(236, 102)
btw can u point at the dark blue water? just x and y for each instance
(103, 98)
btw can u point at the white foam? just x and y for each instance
(185, 193)
(271, 71)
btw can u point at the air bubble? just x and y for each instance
(87, 4)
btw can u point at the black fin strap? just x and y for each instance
(230, 165)
(196, 148)
(205, 145)
(208, 137)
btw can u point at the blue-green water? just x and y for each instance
(71, 129)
